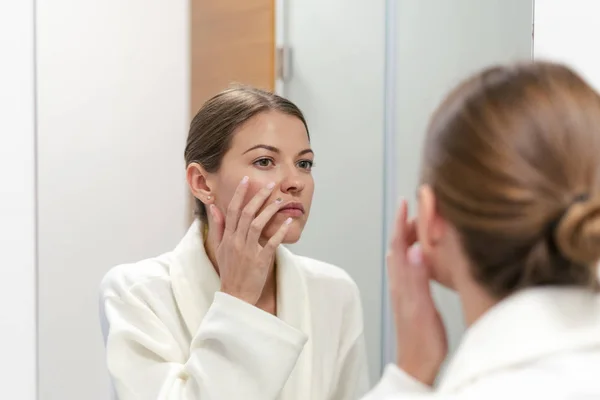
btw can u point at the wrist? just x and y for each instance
(419, 371)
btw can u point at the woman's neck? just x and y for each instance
(475, 300)
(269, 294)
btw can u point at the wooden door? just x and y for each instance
(232, 41)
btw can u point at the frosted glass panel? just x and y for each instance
(337, 80)
(437, 43)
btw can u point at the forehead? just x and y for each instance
(272, 128)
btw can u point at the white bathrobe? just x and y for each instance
(539, 344)
(170, 334)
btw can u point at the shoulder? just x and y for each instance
(122, 279)
(560, 376)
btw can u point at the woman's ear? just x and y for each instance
(437, 239)
(197, 179)
(430, 225)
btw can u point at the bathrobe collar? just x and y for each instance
(195, 281)
(529, 325)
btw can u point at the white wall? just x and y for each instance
(17, 201)
(337, 80)
(113, 104)
(568, 32)
(437, 44)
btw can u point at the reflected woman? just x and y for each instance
(509, 217)
(230, 313)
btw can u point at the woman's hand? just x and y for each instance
(243, 263)
(420, 333)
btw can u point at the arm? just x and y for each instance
(239, 352)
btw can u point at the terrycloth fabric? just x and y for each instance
(171, 334)
(537, 344)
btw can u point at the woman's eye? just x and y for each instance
(263, 162)
(305, 164)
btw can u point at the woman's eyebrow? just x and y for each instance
(306, 151)
(263, 146)
(275, 149)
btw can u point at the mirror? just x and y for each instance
(117, 83)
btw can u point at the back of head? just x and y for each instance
(513, 157)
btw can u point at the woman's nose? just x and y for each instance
(292, 183)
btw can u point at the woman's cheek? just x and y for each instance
(260, 178)
(253, 188)
(225, 194)
(256, 183)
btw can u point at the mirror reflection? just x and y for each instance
(300, 200)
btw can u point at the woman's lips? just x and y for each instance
(292, 212)
(293, 209)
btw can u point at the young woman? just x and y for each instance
(509, 217)
(230, 313)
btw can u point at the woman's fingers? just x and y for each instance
(398, 262)
(218, 220)
(418, 325)
(418, 276)
(277, 238)
(259, 223)
(398, 242)
(411, 232)
(233, 210)
(396, 259)
(250, 210)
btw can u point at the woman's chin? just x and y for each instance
(292, 235)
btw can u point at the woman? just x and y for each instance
(230, 313)
(509, 217)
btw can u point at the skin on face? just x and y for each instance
(443, 254)
(272, 147)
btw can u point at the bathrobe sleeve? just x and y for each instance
(238, 352)
(396, 384)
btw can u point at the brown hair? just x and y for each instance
(513, 156)
(213, 127)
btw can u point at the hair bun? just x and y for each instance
(578, 232)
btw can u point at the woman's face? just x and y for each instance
(272, 147)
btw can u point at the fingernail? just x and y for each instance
(288, 221)
(211, 208)
(245, 180)
(415, 256)
(271, 185)
(278, 200)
